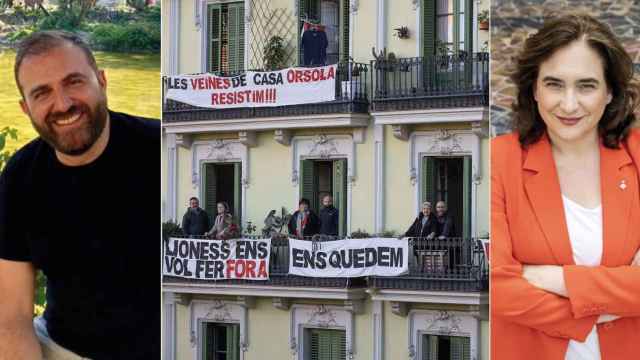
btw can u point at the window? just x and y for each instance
(220, 341)
(438, 347)
(322, 177)
(225, 28)
(447, 26)
(325, 344)
(221, 182)
(449, 179)
(333, 15)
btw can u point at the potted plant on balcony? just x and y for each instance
(274, 56)
(483, 20)
(384, 61)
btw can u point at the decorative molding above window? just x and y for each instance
(443, 323)
(320, 317)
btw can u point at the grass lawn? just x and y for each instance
(133, 86)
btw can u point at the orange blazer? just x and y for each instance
(529, 227)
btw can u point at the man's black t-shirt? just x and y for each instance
(94, 231)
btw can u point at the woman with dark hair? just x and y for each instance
(223, 227)
(565, 215)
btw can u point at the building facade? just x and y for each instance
(409, 124)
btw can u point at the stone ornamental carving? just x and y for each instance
(219, 311)
(416, 4)
(323, 147)
(353, 6)
(444, 322)
(323, 317)
(220, 150)
(446, 143)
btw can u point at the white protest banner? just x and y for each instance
(349, 258)
(290, 86)
(216, 259)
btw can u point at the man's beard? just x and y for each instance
(79, 140)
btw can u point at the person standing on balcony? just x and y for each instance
(424, 226)
(329, 217)
(195, 221)
(444, 222)
(223, 227)
(304, 222)
(565, 201)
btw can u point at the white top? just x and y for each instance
(585, 233)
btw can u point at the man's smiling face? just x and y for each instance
(65, 98)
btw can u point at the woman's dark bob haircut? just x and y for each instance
(618, 72)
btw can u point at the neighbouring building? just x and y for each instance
(409, 124)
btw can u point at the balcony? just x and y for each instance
(351, 97)
(433, 82)
(452, 264)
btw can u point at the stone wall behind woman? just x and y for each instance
(512, 21)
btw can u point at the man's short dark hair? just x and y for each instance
(304, 201)
(42, 42)
(557, 33)
(194, 198)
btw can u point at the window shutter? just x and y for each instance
(236, 37)
(233, 342)
(237, 192)
(209, 190)
(466, 197)
(344, 33)
(428, 180)
(214, 27)
(328, 344)
(460, 348)
(308, 183)
(340, 193)
(428, 27)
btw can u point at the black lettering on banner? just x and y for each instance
(298, 257)
(334, 259)
(200, 264)
(226, 251)
(219, 269)
(321, 260)
(263, 250)
(169, 262)
(183, 248)
(308, 260)
(358, 258)
(345, 257)
(251, 250)
(185, 264)
(171, 252)
(371, 257)
(383, 256)
(194, 250)
(214, 250)
(396, 258)
(204, 252)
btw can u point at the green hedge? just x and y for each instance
(126, 37)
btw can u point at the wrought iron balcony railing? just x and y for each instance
(442, 81)
(351, 96)
(451, 264)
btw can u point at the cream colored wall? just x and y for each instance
(183, 345)
(185, 189)
(396, 336)
(163, 176)
(362, 191)
(270, 184)
(401, 13)
(399, 202)
(164, 28)
(484, 189)
(364, 333)
(364, 31)
(189, 40)
(484, 340)
(268, 332)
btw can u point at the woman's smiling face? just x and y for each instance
(572, 93)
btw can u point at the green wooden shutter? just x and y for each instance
(328, 344)
(428, 27)
(430, 347)
(209, 189)
(236, 37)
(237, 192)
(344, 32)
(428, 180)
(308, 183)
(340, 193)
(460, 348)
(466, 197)
(233, 342)
(214, 28)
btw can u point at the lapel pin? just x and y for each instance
(623, 184)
